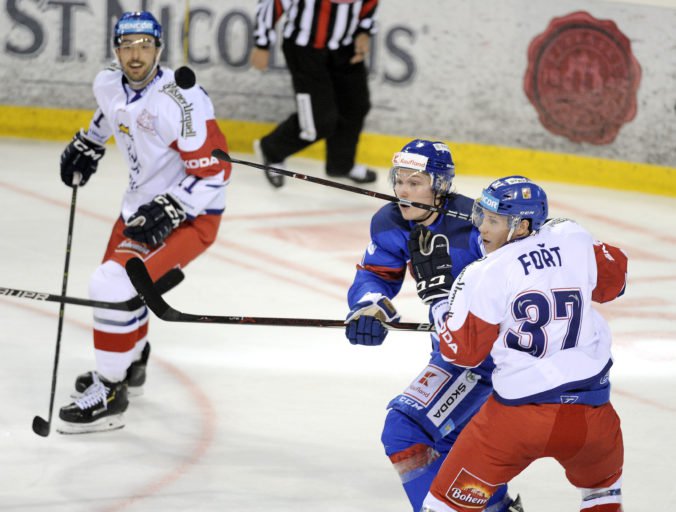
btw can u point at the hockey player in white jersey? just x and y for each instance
(424, 420)
(170, 212)
(528, 305)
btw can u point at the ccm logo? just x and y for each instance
(87, 151)
(196, 163)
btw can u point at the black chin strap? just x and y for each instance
(429, 212)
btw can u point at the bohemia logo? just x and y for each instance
(582, 78)
(468, 491)
(425, 379)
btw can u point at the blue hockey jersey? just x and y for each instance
(383, 267)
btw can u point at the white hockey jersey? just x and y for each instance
(528, 304)
(166, 135)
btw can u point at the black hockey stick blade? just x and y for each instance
(163, 285)
(222, 155)
(167, 282)
(138, 274)
(41, 426)
(140, 278)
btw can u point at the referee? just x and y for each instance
(325, 43)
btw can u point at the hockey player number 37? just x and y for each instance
(534, 310)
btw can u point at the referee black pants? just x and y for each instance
(332, 99)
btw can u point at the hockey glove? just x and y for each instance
(81, 156)
(364, 323)
(154, 221)
(431, 264)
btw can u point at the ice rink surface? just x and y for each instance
(254, 418)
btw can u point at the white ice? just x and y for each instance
(254, 418)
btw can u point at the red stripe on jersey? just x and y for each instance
(386, 273)
(611, 264)
(119, 342)
(323, 24)
(368, 6)
(200, 162)
(606, 507)
(469, 345)
(279, 10)
(414, 458)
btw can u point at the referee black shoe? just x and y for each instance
(359, 174)
(276, 180)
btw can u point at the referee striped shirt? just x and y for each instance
(317, 23)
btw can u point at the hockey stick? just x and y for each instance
(222, 155)
(163, 285)
(138, 274)
(40, 426)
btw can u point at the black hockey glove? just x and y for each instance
(82, 155)
(154, 221)
(431, 264)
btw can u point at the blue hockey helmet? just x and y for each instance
(433, 158)
(516, 197)
(139, 22)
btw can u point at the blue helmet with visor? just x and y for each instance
(430, 157)
(516, 197)
(140, 22)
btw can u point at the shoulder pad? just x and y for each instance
(389, 216)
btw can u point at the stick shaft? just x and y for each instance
(138, 274)
(222, 155)
(172, 315)
(64, 286)
(163, 285)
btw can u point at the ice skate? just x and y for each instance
(136, 377)
(99, 409)
(516, 505)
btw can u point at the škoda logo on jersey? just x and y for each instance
(201, 163)
(452, 397)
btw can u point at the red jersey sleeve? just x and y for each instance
(611, 264)
(470, 344)
(200, 162)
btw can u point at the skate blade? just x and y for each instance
(131, 392)
(107, 424)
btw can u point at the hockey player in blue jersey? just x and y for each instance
(423, 422)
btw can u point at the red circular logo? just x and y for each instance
(582, 78)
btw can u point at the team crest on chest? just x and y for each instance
(146, 122)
